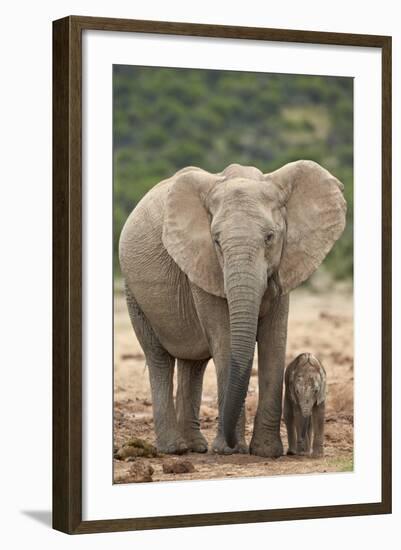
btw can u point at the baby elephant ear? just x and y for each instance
(316, 211)
(290, 379)
(321, 397)
(186, 230)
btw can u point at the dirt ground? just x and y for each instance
(321, 323)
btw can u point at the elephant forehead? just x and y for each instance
(241, 201)
(243, 185)
(250, 217)
(241, 189)
(307, 374)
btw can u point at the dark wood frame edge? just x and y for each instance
(67, 274)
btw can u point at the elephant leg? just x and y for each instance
(318, 413)
(290, 425)
(219, 444)
(272, 340)
(161, 372)
(188, 400)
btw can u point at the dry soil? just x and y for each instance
(319, 322)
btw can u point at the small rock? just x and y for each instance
(140, 473)
(178, 467)
(135, 447)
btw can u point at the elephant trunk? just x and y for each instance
(244, 294)
(305, 426)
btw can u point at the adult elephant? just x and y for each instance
(209, 261)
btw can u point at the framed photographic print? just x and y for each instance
(222, 274)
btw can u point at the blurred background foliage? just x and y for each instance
(165, 119)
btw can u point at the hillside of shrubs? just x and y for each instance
(165, 119)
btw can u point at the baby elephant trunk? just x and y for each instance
(305, 426)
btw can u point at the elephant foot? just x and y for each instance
(220, 447)
(176, 447)
(317, 453)
(272, 448)
(196, 443)
(243, 448)
(302, 450)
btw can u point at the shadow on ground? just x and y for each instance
(40, 516)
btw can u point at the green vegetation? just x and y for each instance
(342, 463)
(165, 119)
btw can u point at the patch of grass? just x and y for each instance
(342, 463)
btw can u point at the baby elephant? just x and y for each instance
(304, 405)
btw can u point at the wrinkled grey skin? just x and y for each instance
(208, 262)
(304, 405)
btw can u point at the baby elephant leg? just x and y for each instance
(161, 372)
(188, 400)
(318, 429)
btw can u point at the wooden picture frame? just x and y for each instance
(67, 273)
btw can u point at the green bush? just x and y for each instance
(165, 119)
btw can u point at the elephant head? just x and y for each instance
(239, 232)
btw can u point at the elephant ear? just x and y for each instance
(316, 211)
(186, 230)
(321, 397)
(290, 379)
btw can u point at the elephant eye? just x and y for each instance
(269, 237)
(217, 242)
